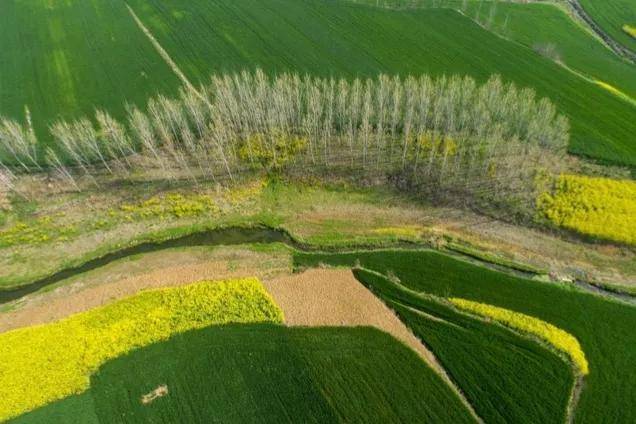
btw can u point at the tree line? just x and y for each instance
(448, 133)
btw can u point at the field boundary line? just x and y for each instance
(435, 365)
(162, 52)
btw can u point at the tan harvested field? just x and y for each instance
(333, 297)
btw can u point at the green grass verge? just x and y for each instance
(66, 58)
(506, 377)
(604, 328)
(612, 15)
(268, 373)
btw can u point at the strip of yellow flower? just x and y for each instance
(45, 363)
(560, 339)
(630, 30)
(412, 231)
(615, 91)
(600, 207)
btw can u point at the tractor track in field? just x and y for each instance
(162, 52)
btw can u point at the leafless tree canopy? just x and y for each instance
(447, 133)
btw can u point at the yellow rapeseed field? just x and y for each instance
(599, 207)
(560, 339)
(629, 29)
(44, 363)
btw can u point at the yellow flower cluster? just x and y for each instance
(40, 230)
(411, 231)
(244, 194)
(45, 363)
(173, 205)
(630, 30)
(560, 339)
(272, 151)
(600, 207)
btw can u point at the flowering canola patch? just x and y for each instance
(600, 207)
(44, 363)
(560, 339)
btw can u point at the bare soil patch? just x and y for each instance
(333, 297)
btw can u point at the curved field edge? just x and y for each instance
(45, 363)
(273, 374)
(506, 376)
(603, 328)
(548, 28)
(612, 16)
(559, 339)
(256, 232)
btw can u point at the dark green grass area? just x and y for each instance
(63, 59)
(78, 409)
(611, 15)
(340, 38)
(506, 377)
(271, 374)
(544, 28)
(604, 328)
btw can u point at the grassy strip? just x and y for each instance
(45, 363)
(493, 259)
(562, 340)
(603, 328)
(506, 377)
(598, 207)
(266, 373)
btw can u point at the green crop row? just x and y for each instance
(561, 340)
(603, 327)
(506, 377)
(282, 35)
(611, 15)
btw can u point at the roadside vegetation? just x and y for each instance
(603, 328)
(330, 215)
(601, 208)
(45, 363)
